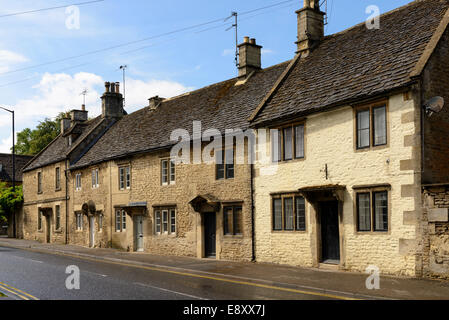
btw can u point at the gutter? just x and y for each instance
(333, 106)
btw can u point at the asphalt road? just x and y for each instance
(31, 275)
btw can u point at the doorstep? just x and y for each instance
(332, 265)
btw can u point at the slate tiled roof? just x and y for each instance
(356, 63)
(57, 149)
(6, 167)
(220, 106)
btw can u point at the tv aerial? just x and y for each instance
(434, 105)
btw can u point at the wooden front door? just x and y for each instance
(138, 232)
(330, 235)
(210, 228)
(48, 228)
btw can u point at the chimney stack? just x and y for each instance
(155, 102)
(310, 27)
(65, 125)
(78, 116)
(249, 57)
(112, 101)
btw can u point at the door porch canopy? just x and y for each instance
(325, 192)
(205, 203)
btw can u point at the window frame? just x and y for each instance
(57, 178)
(100, 222)
(39, 220)
(232, 232)
(39, 182)
(124, 172)
(79, 221)
(371, 107)
(159, 228)
(371, 191)
(171, 172)
(95, 178)
(58, 218)
(281, 138)
(120, 220)
(282, 197)
(78, 182)
(225, 165)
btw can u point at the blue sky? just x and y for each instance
(166, 66)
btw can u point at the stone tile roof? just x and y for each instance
(220, 106)
(6, 167)
(356, 63)
(56, 151)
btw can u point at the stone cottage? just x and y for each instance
(354, 143)
(342, 142)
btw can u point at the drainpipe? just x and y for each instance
(66, 204)
(253, 245)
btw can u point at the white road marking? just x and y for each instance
(171, 291)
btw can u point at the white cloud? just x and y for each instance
(9, 59)
(267, 51)
(6, 144)
(227, 52)
(62, 92)
(138, 92)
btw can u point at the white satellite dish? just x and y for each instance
(434, 105)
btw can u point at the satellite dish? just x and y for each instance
(434, 105)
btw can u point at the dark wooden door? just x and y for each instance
(48, 229)
(210, 226)
(330, 235)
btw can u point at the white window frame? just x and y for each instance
(95, 179)
(120, 220)
(79, 222)
(165, 221)
(170, 175)
(124, 178)
(78, 182)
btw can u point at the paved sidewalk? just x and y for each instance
(323, 281)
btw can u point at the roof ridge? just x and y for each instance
(413, 2)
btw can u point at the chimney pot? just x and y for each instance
(252, 41)
(117, 87)
(107, 86)
(112, 87)
(245, 39)
(83, 107)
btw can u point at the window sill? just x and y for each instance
(288, 161)
(373, 148)
(232, 236)
(289, 232)
(58, 189)
(385, 233)
(166, 235)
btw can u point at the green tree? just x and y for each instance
(31, 142)
(9, 200)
